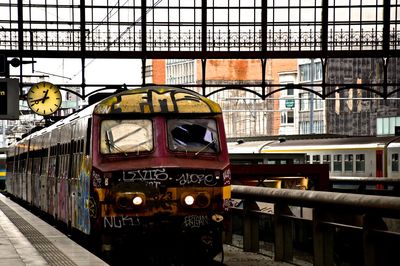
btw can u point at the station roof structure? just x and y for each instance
(201, 29)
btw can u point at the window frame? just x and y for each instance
(126, 153)
(216, 136)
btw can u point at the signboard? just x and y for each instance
(3, 62)
(289, 103)
(9, 99)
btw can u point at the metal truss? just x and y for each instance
(213, 29)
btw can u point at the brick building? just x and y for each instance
(245, 113)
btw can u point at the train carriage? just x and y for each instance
(140, 160)
(346, 156)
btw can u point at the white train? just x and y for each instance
(346, 156)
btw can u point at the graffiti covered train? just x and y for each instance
(153, 158)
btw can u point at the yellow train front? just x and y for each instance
(159, 170)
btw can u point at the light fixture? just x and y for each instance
(189, 200)
(137, 200)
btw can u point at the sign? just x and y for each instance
(9, 99)
(3, 62)
(289, 103)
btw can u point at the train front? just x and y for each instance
(160, 170)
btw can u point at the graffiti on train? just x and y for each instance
(195, 221)
(189, 179)
(155, 177)
(161, 101)
(120, 221)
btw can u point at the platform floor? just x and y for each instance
(27, 240)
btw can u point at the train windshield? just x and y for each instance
(193, 135)
(126, 136)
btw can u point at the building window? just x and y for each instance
(348, 162)
(304, 101)
(337, 163)
(318, 127)
(326, 159)
(180, 71)
(287, 117)
(304, 127)
(290, 117)
(283, 117)
(395, 162)
(305, 71)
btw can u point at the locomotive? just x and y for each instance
(144, 162)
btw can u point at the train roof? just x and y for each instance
(157, 99)
(315, 142)
(149, 99)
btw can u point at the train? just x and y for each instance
(346, 156)
(146, 165)
(2, 170)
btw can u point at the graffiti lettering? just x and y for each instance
(195, 221)
(96, 179)
(103, 109)
(188, 179)
(156, 101)
(146, 175)
(120, 221)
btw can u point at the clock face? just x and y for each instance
(44, 98)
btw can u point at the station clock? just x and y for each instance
(44, 98)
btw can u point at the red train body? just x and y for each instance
(147, 160)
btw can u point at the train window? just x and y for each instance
(360, 162)
(337, 162)
(193, 135)
(348, 162)
(307, 158)
(125, 136)
(326, 159)
(316, 159)
(395, 162)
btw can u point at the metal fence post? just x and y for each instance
(250, 227)
(370, 242)
(323, 240)
(283, 228)
(228, 227)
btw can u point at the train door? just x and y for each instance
(379, 163)
(379, 167)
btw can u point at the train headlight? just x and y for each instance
(137, 200)
(189, 200)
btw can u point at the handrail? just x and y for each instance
(333, 214)
(383, 205)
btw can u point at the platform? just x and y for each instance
(27, 240)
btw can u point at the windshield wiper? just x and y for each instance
(113, 145)
(205, 147)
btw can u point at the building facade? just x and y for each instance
(357, 111)
(245, 114)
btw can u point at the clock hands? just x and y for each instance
(43, 99)
(45, 96)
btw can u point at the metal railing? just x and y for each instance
(367, 225)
